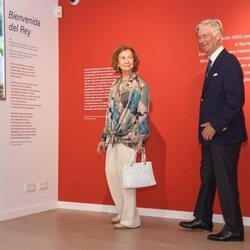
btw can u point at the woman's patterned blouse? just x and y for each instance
(127, 112)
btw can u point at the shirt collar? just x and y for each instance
(215, 54)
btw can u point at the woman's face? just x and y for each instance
(126, 61)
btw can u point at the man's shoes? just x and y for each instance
(226, 235)
(115, 219)
(197, 224)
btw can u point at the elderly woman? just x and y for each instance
(125, 132)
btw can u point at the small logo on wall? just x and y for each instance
(58, 11)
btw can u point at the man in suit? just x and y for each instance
(221, 132)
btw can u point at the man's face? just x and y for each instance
(208, 42)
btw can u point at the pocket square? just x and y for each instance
(215, 74)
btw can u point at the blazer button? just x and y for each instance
(201, 99)
(224, 129)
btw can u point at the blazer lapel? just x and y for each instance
(215, 65)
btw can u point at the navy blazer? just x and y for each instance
(222, 100)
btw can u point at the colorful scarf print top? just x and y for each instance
(127, 112)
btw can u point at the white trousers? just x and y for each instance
(124, 199)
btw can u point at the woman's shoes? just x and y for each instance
(117, 225)
(120, 226)
(115, 220)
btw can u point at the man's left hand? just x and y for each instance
(208, 131)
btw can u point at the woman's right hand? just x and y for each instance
(101, 147)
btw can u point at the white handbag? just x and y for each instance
(138, 174)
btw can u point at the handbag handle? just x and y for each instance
(143, 157)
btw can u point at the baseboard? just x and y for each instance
(86, 207)
(42, 207)
(23, 211)
(170, 214)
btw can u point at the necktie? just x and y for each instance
(209, 66)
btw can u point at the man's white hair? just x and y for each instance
(215, 24)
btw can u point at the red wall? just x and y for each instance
(162, 32)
